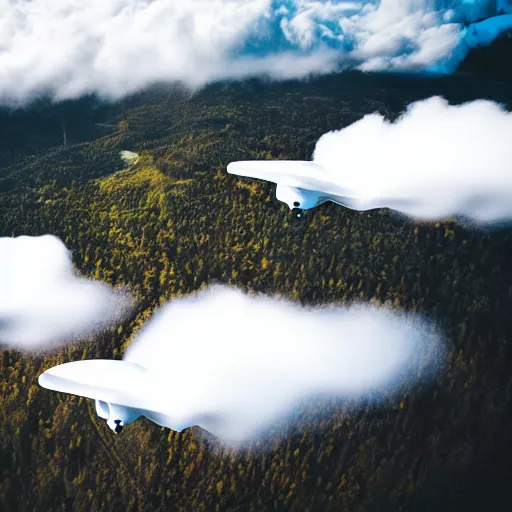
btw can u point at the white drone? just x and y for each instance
(302, 185)
(122, 391)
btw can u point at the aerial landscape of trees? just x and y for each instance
(175, 221)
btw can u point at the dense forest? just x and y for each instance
(175, 221)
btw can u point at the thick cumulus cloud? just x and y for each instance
(114, 47)
(247, 361)
(436, 161)
(42, 302)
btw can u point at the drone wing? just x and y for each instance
(111, 381)
(118, 383)
(301, 175)
(291, 173)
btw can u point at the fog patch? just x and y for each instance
(245, 363)
(44, 303)
(69, 49)
(436, 161)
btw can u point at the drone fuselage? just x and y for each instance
(299, 199)
(117, 416)
(296, 197)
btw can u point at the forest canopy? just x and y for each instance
(175, 221)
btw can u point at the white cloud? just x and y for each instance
(436, 161)
(42, 302)
(247, 360)
(115, 47)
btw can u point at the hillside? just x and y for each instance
(175, 221)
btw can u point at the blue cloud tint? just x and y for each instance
(115, 47)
